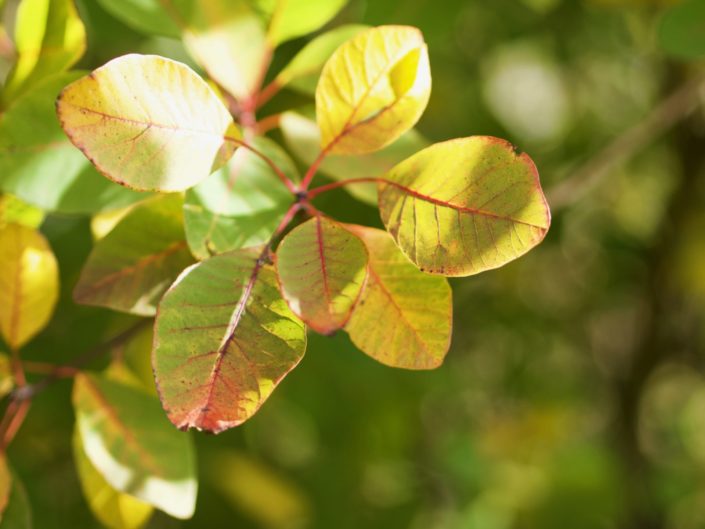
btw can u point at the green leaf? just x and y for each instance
(404, 317)
(29, 283)
(5, 484)
(682, 30)
(227, 39)
(154, 17)
(224, 339)
(39, 164)
(114, 509)
(464, 206)
(321, 268)
(14, 210)
(240, 205)
(130, 443)
(303, 137)
(17, 514)
(294, 18)
(148, 123)
(133, 265)
(49, 38)
(372, 90)
(305, 68)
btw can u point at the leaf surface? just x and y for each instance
(17, 513)
(321, 267)
(12, 209)
(241, 204)
(404, 317)
(463, 206)
(373, 89)
(114, 509)
(40, 165)
(293, 18)
(224, 339)
(5, 484)
(154, 17)
(49, 38)
(29, 283)
(134, 264)
(130, 443)
(682, 30)
(303, 137)
(148, 123)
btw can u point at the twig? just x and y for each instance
(670, 111)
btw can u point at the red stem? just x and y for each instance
(314, 168)
(268, 92)
(335, 185)
(285, 179)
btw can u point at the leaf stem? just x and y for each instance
(308, 177)
(280, 174)
(266, 124)
(268, 92)
(335, 185)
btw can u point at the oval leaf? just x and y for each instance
(129, 442)
(463, 206)
(224, 339)
(404, 317)
(241, 204)
(373, 89)
(148, 123)
(294, 18)
(133, 265)
(29, 283)
(321, 267)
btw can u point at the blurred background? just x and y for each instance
(574, 391)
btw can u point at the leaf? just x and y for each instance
(304, 139)
(7, 380)
(463, 206)
(682, 32)
(49, 38)
(305, 68)
(114, 509)
(12, 209)
(129, 442)
(17, 514)
(40, 165)
(147, 16)
(5, 484)
(224, 339)
(227, 38)
(148, 123)
(29, 283)
(321, 268)
(132, 266)
(241, 205)
(372, 90)
(404, 317)
(294, 18)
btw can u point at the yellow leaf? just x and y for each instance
(7, 381)
(29, 283)
(49, 38)
(373, 89)
(5, 485)
(293, 18)
(148, 123)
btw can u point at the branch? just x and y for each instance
(670, 111)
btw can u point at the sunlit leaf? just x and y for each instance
(303, 70)
(39, 164)
(149, 16)
(227, 38)
(7, 380)
(49, 38)
(304, 139)
(114, 509)
(131, 267)
(131, 444)
(14, 210)
(464, 206)
(240, 205)
(321, 267)
(293, 18)
(148, 123)
(5, 484)
(373, 89)
(682, 31)
(404, 317)
(224, 339)
(104, 223)
(17, 513)
(29, 283)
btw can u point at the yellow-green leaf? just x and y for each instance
(148, 16)
(131, 444)
(29, 283)
(5, 484)
(373, 89)
(148, 123)
(224, 339)
(464, 206)
(7, 380)
(294, 18)
(49, 38)
(114, 509)
(321, 267)
(17, 514)
(12, 209)
(404, 317)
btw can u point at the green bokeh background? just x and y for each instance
(574, 393)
